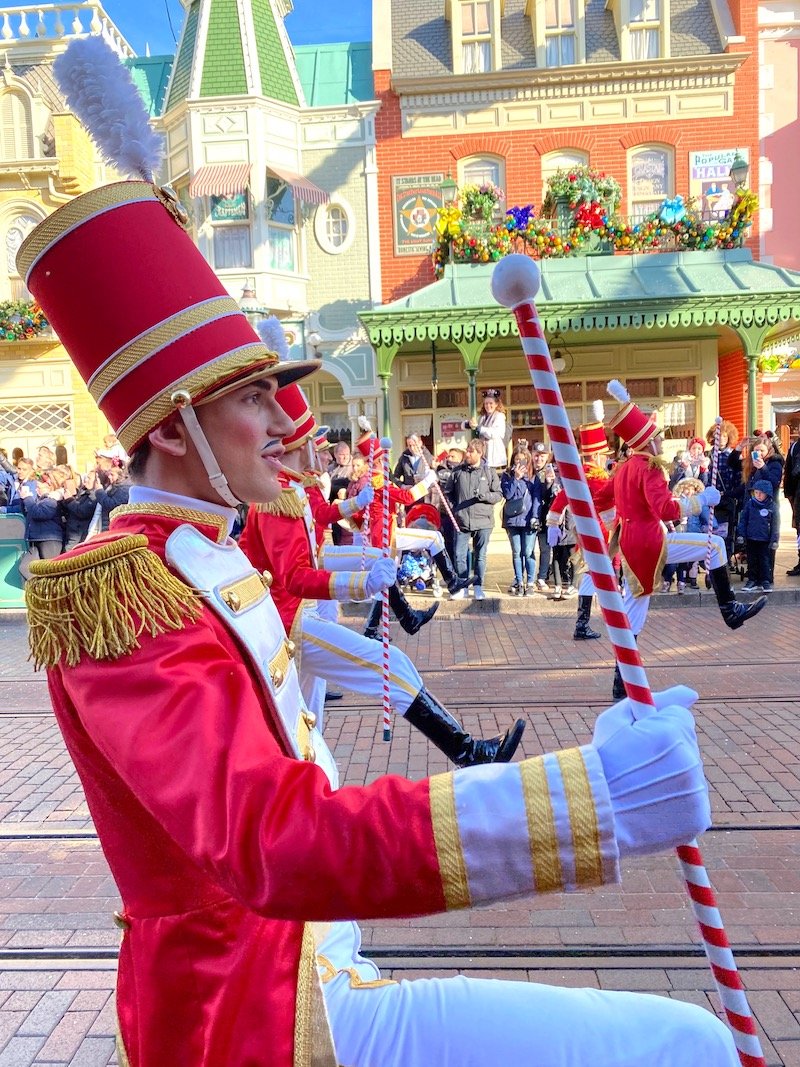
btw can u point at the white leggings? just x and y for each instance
(473, 1022)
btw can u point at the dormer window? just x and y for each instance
(643, 27)
(475, 29)
(558, 31)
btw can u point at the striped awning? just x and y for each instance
(220, 179)
(302, 187)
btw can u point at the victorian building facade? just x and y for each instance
(661, 94)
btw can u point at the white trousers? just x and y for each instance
(681, 548)
(417, 539)
(471, 1022)
(343, 657)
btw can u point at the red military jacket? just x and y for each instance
(640, 494)
(222, 845)
(596, 479)
(397, 496)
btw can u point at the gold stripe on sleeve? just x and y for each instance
(448, 842)
(582, 816)
(547, 873)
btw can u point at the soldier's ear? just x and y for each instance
(170, 437)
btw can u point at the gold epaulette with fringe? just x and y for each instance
(98, 602)
(659, 461)
(288, 504)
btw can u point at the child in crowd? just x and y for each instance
(563, 540)
(758, 524)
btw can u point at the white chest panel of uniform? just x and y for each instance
(213, 569)
(308, 519)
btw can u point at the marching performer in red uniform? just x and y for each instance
(239, 862)
(280, 537)
(595, 452)
(643, 503)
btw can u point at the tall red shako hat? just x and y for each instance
(633, 425)
(293, 401)
(364, 443)
(593, 441)
(141, 313)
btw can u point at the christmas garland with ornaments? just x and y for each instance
(21, 320)
(676, 226)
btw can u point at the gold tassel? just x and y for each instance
(288, 504)
(98, 603)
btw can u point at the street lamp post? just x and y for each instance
(740, 168)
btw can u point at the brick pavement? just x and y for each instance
(56, 894)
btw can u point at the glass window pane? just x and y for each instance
(280, 201)
(650, 174)
(552, 53)
(336, 226)
(551, 14)
(478, 171)
(567, 49)
(484, 18)
(281, 248)
(567, 10)
(232, 247)
(467, 19)
(477, 57)
(562, 161)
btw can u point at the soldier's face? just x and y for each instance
(244, 428)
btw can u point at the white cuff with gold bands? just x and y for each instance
(347, 557)
(537, 826)
(349, 585)
(418, 491)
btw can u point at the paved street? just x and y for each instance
(58, 942)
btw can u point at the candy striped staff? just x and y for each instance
(386, 446)
(714, 467)
(442, 497)
(515, 282)
(365, 522)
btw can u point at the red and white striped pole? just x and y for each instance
(713, 481)
(386, 446)
(515, 282)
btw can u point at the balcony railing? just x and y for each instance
(60, 22)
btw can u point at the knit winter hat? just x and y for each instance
(764, 486)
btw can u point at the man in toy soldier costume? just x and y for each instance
(594, 452)
(239, 862)
(643, 504)
(280, 537)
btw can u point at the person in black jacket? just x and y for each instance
(791, 490)
(474, 490)
(414, 463)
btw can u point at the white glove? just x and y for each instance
(429, 480)
(654, 774)
(382, 574)
(710, 496)
(365, 496)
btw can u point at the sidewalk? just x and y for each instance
(58, 942)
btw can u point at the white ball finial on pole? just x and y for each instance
(515, 279)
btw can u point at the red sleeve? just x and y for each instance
(602, 494)
(282, 542)
(181, 724)
(661, 501)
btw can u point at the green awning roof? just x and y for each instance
(599, 292)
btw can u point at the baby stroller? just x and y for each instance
(417, 571)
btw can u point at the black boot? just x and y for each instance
(442, 730)
(618, 687)
(447, 571)
(372, 629)
(733, 613)
(409, 619)
(583, 631)
(795, 571)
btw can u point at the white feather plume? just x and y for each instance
(100, 91)
(271, 332)
(364, 424)
(618, 391)
(598, 410)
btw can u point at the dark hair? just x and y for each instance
(139, 460)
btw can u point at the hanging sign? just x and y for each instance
(229, 208)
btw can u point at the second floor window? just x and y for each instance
(230, 218)
(476, 36)
(281, 221)
(16, 138)
(560, 33)
(650, 180)
(645, 29)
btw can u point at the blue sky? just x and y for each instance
(312, 21)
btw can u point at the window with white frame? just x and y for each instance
(281, 225)
(560, 33)
(16, 135)
(563, 159)
(18, 230)
(650, 179)
(645, 29)
(482, 170)
(476, 36)
(334, 227)
(230, 219)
